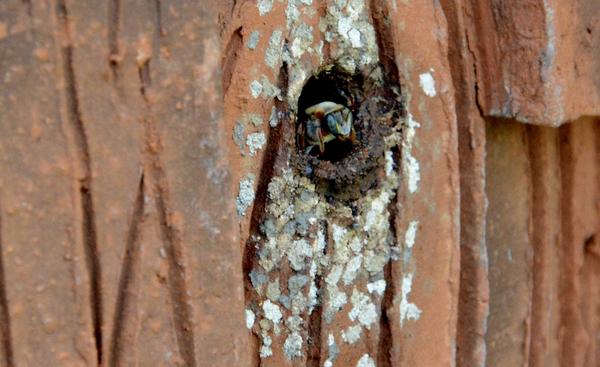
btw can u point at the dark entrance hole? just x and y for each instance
(347, 170)
(333, 86)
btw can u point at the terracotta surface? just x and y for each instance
(157, 208)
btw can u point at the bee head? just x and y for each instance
(339, 123)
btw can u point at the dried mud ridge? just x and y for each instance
(347, 171)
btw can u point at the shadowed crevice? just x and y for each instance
(386, 337)
(114, 18)
(273, 153)
(5, 331)
(380, 17)
(126, 291)
(232, 53)
(88, 220)
(158, 11)
(315, 319)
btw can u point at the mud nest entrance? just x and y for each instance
(347, 169)
(328, 86)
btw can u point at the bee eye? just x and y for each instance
(332, 123)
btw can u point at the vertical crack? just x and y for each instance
(268, 164)
(387, 49)
(88, 224)
(158, 12)
(232, 53)
(125, 292)
(315, 320)
(384, 348)
(181, 307)
(5, 333)
(29, 7)
(114, 16)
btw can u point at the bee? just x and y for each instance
(326, 121)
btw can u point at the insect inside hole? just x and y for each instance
(326, 121)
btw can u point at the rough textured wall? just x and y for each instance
(158, 205)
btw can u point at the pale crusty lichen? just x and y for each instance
(365, 361)
(255, 142)
(313, 252)
(253, 40)
(294, 234)
(245, 195)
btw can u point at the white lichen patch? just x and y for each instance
(352, 334)
(293, 346)
(389, 163)
(410, 164)
(413, 173)
(250, 317)
(255, 142)
(272, 312)
(246, 194)
(264, 6)
(352, 269)
(273, 52)
(378, 207)
(355, 38)
(377, 287)
(274, 117)
(408, 310)
(300, 251)
(302, 39)
(255, 88)
(365, 361)
(273, 291)
(363, 309)
(265, 349)
(349, 24)
(268, 89)
(411, 234)
(332, 348)
(427, 84)
(253, 39)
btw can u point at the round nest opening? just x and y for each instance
(347, 167)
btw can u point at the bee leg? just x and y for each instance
(300, 134)
(321, 142)
(352, 136)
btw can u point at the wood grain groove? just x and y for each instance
(181, 308)
(29, 7)
(5, 331)
(88, 222)
(386, 342)
(385, 40)
(158, 11)
(126, 290)
(273, 154)
(232, 52)
(315, 319)
(114, 18)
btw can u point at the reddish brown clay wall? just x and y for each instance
(157, 206)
